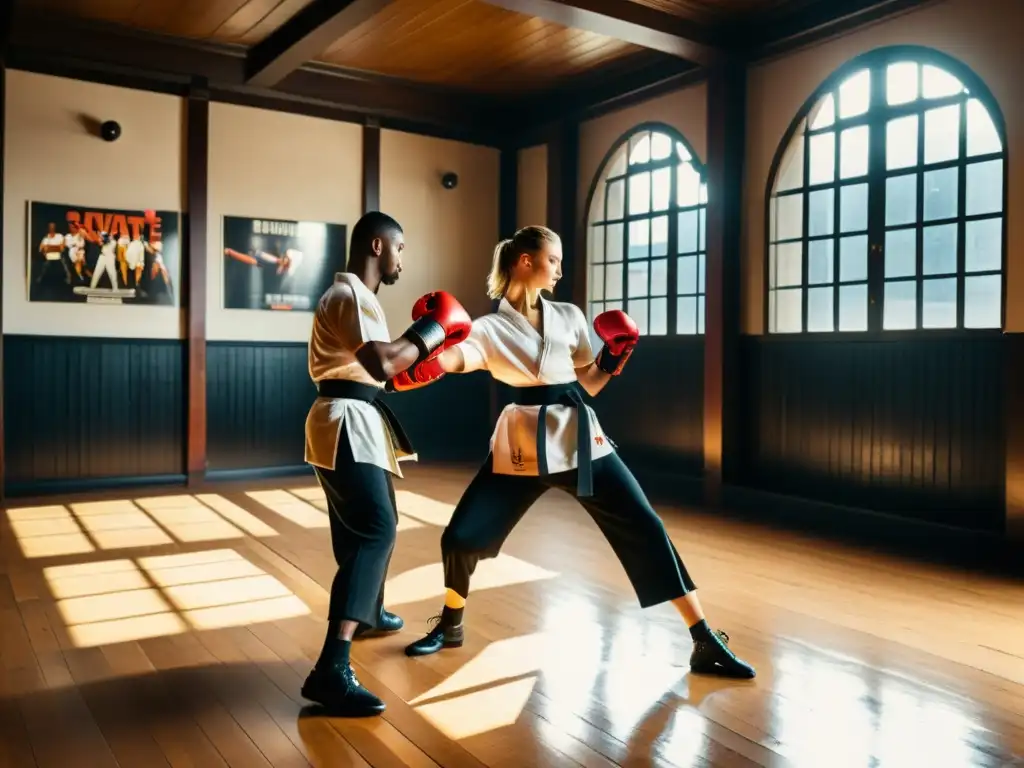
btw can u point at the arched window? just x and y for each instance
(645, 234)
(886, 206)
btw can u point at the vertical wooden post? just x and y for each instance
(3, 131)
(563, 172)
(726, 147)
(1013, 364)
(197, 143)
(371, 166)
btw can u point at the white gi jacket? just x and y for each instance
(506, 345)
(347, 316)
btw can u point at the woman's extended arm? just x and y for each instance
(452, 360)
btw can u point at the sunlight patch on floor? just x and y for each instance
(291, 508)
(427, 581)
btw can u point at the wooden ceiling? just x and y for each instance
(560, 55)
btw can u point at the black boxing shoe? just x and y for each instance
(711, 656)
(337, 689)
(388, 623)
(443, 635)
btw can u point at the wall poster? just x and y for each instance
(280, 265)
(78, 253)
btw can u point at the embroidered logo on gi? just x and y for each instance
(599, 440)
(516, 458)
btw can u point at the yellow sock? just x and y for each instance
(454, 600)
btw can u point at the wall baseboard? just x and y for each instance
(257, 473)
(54, 486)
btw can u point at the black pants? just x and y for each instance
(364, 525)
(493, 504)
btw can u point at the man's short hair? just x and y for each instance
(371, 226)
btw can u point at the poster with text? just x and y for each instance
(280, 265)
(78, 253)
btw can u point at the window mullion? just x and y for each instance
(961, 210)
(804, 247)
(876, 199)
(919, 235)
(672, 253)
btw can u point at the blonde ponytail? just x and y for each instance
(526, 240)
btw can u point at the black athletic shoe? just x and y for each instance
(389, 622)
(441, 636)
(713, 657)
(337, 689)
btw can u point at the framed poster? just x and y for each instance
(78, 253)
(280, 265)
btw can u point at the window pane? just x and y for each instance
(824, 114)
(901, 253)
(901, 200)
(790, 257)
(939, 250)
(820, 315)
(702, 219)
(616, 195)
(613, 243)
(940, 191)
(901, 82)
(687, 186)
(687, 234)
(821, 213)
(613, 281)
(640, 193)
(771, 312)
(823, 158)
(682, 152)
(942, 134)
(596, 308)
(595, 245)
(788, 310)
(983, 302)
(853, 208)
(610, 305)
(939, 83)
(819, 261)
(701, 272)
(853, 152)
(985, 187)
(984, 246)
(640, 148)
(853, 258)
(700, 314)
(659, 236)
(686, 315)
(618, 165)
(658, 321)
(901, 143)
(791, 169)
(789, 217)
(637, 284)
(772, 262)
(637, 309)
(900, 309)
(938, 303)
(855, 94)
(661, 146)
(659, 277)
(661, 180)
(982, 136)
(639, 239)
(686, 275)
(853, 307)
(597, 282)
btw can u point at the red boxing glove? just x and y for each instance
(439, 322)
(620, 335)
(418, 376)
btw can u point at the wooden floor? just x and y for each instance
(176, 630)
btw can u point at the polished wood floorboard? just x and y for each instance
(175, 629)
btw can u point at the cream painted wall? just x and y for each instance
(275, 165)
(450, 234)
(685, 110)
(50, 157)
(983, 35)
(532, 186)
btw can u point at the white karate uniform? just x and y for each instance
(506, 345)
(54, 239)
(347, 316)
(107, 262)
(76, 246)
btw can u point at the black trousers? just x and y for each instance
(493, 504)
(364, 525)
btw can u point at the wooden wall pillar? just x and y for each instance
(3, 131)
(371, 166)
(197, 141)
(1013, 362)
(563, 172)
(726, 147)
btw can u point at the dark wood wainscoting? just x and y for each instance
(84, 412)
(908, 427)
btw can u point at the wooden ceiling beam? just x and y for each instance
(305, 36)
(629, 22)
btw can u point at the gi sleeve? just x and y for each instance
(342, 312)
(583, 352)
(478, 346)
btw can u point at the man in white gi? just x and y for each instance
(354, 442)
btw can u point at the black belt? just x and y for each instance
(561, 394)
(352, 390)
